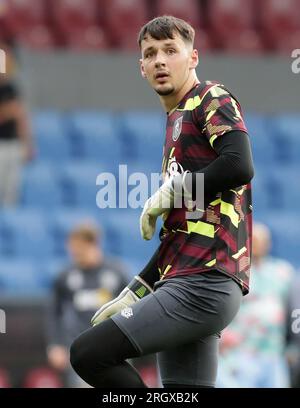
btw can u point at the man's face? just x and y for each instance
(79, 250)
(167, 63)
(261, 241)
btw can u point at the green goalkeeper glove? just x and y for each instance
(135, 290)
(161, 202)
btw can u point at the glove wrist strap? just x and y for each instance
(139, 287)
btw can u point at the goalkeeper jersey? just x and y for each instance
(220, 237)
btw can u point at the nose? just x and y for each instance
(160, 59)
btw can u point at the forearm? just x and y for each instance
(232, 168)
(150, 273)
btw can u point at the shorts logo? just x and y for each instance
(177, 128)
(127, 312)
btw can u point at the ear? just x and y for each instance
(194, 60)
(143, 73)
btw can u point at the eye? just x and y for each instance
(148, 55)
(171, 51)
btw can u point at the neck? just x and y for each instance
(169, 102)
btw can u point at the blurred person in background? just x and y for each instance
(252, 347)
(90, 281)
(16, 146)
(293, 333)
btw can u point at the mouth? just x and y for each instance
(161, 76)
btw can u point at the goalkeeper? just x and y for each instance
(192, 287)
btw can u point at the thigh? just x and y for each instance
(191, 364)
(168, 319)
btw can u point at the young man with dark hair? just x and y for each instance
(192, 287)
(90, 280)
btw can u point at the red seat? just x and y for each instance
(280, 23)
(247, 42)
(38, 37)
(76, 24)
(189, 10)
(24, 14)
(87, 38)
(203, 41)
(5, 29)
(279, 15)
(123, 19)
(228, 20)
(286, 42)
(74, 13)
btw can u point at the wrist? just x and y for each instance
(181, 184)
(139, 287)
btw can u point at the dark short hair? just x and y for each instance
(86, 232)
(164, 27)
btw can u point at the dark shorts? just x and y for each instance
(182, 321)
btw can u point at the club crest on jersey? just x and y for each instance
(177, 128)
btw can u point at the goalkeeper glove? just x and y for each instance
(161, 202)
(136, 289)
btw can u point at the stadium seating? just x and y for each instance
(144, 135)
(40, 186)
(61, 223)
(132, 13)
(28, 22)
(261, 137)
(189, 10)
(239, 26)
(124, 233)
(49, 133)
(285, 130)
(93, 135)
(25, 14)
(24, 234)
(78, 183)
(232, 25)
(280, 23)
(285, 235)
(77, 24)
(63, 188)
(20, 277)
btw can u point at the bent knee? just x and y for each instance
(79, 355)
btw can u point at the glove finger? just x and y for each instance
(148, 227)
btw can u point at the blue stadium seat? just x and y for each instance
(51, 271)
(78, 182)
(145, 135)
(50, 134)
(285, 229)
(94, 135)
(40, 186)
(262, 139)
(286, 129)
(20, 277)
(123, 233)
(284, 187)
(62, 222)
(24, 234)
(261, 196)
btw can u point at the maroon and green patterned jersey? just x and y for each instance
(220, 238)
